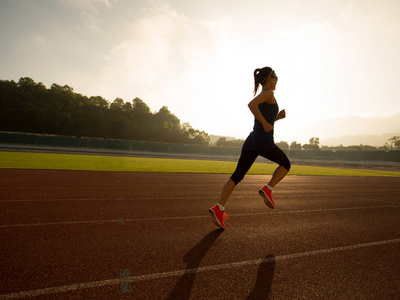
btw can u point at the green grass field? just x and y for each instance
(27, 160)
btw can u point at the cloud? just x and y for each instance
(159, 48)
(89, 5)
(198, 58)
(89, 11)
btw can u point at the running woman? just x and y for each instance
(260, 142)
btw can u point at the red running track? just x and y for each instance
(110, 235)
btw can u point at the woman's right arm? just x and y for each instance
(265, 96)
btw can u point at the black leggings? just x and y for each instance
(247, 159)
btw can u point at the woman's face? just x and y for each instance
(274, 81)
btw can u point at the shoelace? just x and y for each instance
(226, 216)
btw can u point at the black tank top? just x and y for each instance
(269, 112)
(258, 140)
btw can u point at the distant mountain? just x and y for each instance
(360, 126)
(346, 131)
(349, 140)
(352, 131)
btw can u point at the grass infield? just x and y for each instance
(50, 161)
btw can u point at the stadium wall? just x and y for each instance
(32, 139)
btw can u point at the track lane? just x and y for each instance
(313, 214)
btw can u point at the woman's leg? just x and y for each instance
(226, 191)
(245, 162)
(279, 157)
(279, 173)
(217, 211)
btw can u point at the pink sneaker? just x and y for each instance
(267, 195)
(218, 216)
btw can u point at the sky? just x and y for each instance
(333, 58)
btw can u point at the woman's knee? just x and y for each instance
(237, 177)
(287, 165)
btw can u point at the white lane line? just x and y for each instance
(322, 210)
(387, 202)
(59, 223)
(314, 195)
(131, 279)
(113, 199)
(122, 220)
(374, 199)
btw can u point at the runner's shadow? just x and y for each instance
(265, 276)
(193, 259)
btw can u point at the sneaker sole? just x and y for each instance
(215, 219)
(267, 201)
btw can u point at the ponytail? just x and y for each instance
(256, 83)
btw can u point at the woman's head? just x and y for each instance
(264, 76)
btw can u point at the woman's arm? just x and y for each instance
(266, 96)
(281, 115)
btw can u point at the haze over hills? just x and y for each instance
(349, 140)
(355, 130)
(344, 131)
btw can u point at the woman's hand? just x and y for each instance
(281, 115)
(268, 127)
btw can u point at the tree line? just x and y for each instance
(27, 106)
(314, 144)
